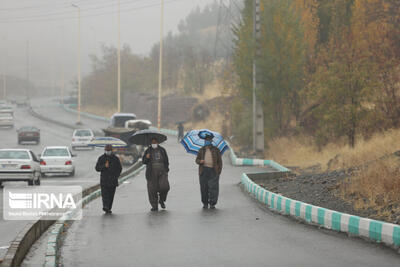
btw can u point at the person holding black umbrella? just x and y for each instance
(110, 168)
(209, 160)
(156, 159)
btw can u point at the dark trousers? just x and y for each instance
(107, 194)
(157, 186)
(209, 186)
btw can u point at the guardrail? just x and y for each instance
(372, 230)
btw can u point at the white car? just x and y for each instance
(6, 119)
(81, 138)
(57, 160)
(7, 109)
(19, 165)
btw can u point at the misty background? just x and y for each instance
(45, 32)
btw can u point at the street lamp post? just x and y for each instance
(119, 56)
(78, 122)
(4, 74)
(4, 85)
(160, 73)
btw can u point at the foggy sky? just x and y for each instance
(51, 29)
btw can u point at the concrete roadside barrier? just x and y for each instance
(372, 230)
(43, 118)
(54, 241)
(20, 246)
(255, 162)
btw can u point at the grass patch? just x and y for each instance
(375, 188)
(303, 153)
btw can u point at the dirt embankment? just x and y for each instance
(353, 191)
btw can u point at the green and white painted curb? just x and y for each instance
(256, 162)
(234, 159)
(376, 231)
(53, 242)
(88, 115)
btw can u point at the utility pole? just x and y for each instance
(160, 76)
(119, 56)
(258, 131)
(78, 122)
(27, 71)
(4, 84)
(62, 85)
(4, 74)
(61, 63)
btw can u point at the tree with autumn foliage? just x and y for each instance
(329, 68)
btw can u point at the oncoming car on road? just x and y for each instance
(57, 160)
(19, 165)
(6, 119)
(81, 138)
(28, 134)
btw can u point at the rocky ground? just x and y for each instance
(321, 190)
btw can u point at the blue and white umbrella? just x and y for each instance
(195, 140)
(103, 141)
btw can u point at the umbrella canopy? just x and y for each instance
(103, 141)
(143, 138)
(195, 140)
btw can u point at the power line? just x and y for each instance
(50, 5)
(89, 15)
(69, 12)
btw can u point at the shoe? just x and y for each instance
(212, 207)
(108, 211)
(104, 209)
(162, 204)
(154, 209)
(205, 206)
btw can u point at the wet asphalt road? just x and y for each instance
(240, 232)
(50, 135)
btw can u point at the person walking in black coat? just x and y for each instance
(110, 168)
(156, 159)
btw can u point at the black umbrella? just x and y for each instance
(143, 138)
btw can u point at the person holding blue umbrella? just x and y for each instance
(209, 160)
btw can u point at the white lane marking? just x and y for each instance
(4, 247)
(126, 182)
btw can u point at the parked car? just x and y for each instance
(6, 119)
(28, 134)
(19, 165)
(57, 160)
(81, 138)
